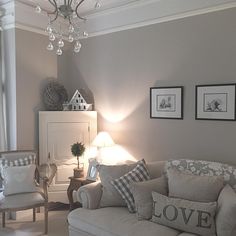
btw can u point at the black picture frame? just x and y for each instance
(166, 102)
(215, 102)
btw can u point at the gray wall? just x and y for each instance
(34, 65)
(119, 69)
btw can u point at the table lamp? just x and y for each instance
(102, 140)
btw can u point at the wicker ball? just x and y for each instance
(54, 96)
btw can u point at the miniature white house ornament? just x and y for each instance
(77, 103)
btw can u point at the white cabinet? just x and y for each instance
(58, 130)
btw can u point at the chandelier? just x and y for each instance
(64, 23)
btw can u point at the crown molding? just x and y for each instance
(7, 20)
(132, 14)
(150, 12)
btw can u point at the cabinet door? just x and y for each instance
(57, 132)
(60, 138)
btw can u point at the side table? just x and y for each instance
(75, 184)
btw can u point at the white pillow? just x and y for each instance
(18, 179)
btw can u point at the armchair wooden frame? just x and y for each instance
(40, 174)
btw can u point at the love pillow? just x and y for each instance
(185, 215)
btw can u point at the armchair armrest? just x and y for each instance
(90, 195)
(46, 173)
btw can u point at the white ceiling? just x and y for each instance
(86, 7)
(113, 16)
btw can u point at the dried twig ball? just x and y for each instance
(54, 96)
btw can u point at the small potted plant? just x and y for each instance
(77, 150)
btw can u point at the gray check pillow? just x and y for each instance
(122, 184)
(21, 161)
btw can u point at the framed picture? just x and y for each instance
(215, 102)
(166, 102)
(92, 169)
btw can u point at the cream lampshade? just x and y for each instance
(102, 140)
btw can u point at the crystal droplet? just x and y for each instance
(38, 9)
(60, 43)
(85, 34)
(50, 47)
(59, 52)
(70, 38)
(52, 37)
(76, 49)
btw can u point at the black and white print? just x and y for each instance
(166, 102)
(215, 102)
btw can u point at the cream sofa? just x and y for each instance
(117, 221)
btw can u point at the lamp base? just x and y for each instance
(78, 172)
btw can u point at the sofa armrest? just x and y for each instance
(90, 195)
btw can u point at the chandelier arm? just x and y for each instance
(70, 2)
(51, 21)
(54, 4)
(76, 10)
(70, 21)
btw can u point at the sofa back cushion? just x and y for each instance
(193, 187)
(107, 173)
(198, 167)
(142, 193)
(156, 168)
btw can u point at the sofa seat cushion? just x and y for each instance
(115, 221)
(187, 234)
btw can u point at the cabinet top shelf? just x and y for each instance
(67, 111)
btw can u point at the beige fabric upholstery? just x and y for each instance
(107, 173)
(187, 234)
(84, 222)
(77, 232)
(194, 187)
(90, 195)
(225, 219)
(142, 193)
(156, 169)
(185, 215)
(115, 221)
(20, 200)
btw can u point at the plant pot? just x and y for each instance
(78, 172)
